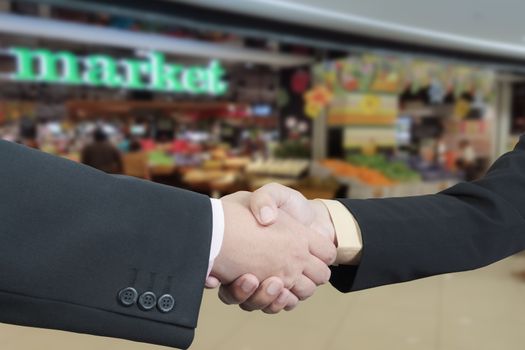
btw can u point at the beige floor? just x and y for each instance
(481, 310)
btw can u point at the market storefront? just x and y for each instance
(203, 123)
(217, 113)
(398, 126)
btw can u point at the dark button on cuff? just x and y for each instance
(128, 296)
(147, 301)
(166, 303)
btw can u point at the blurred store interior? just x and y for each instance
(218, 97)
(323, 116)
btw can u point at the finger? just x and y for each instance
(304, 288)
(273, 196)
(317, 271)
(321, 247)
(240, 290)
(292, 303)
(263, 207)
(280, 303)
(212, 282)
(325, 229)
(268, 292)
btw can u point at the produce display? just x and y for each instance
(373, 170)
(160, 158)
(293, 149)
(394, 170)
(366, 175)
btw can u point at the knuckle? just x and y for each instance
(319, 278)
(324, 277)
(290, 281)
(304, 291)
(329, 256)
(273, 185)
(297, 194)
(301, 293)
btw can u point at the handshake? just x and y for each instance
(277, 236)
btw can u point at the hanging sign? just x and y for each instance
(393, 75)
(151, 72)
(363, 109)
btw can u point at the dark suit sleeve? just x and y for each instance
(465, 227)
(73, 237)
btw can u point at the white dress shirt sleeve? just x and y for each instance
(217, 234)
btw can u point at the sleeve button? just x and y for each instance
(166, 303)
(147, 301)
(128, 296)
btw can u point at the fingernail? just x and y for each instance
(273, 288)
(247, 286)
(266, 214)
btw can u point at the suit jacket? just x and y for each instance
(465, 227)
(88, 252)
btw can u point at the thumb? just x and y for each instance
(265, 202)
(263, 207)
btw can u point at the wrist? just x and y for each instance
(232, 261)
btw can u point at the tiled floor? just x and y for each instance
(480, 310)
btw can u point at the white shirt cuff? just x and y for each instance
(217, 233)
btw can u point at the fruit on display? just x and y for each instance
(394, 170)
(374, 170)
(159, 158)
(399, 171)
(366, 175)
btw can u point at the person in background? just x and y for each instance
(101, 154)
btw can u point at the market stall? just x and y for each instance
(397, 126)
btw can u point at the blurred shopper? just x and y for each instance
(101, 154)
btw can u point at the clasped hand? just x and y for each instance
(276, 236)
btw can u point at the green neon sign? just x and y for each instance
(150, 73)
